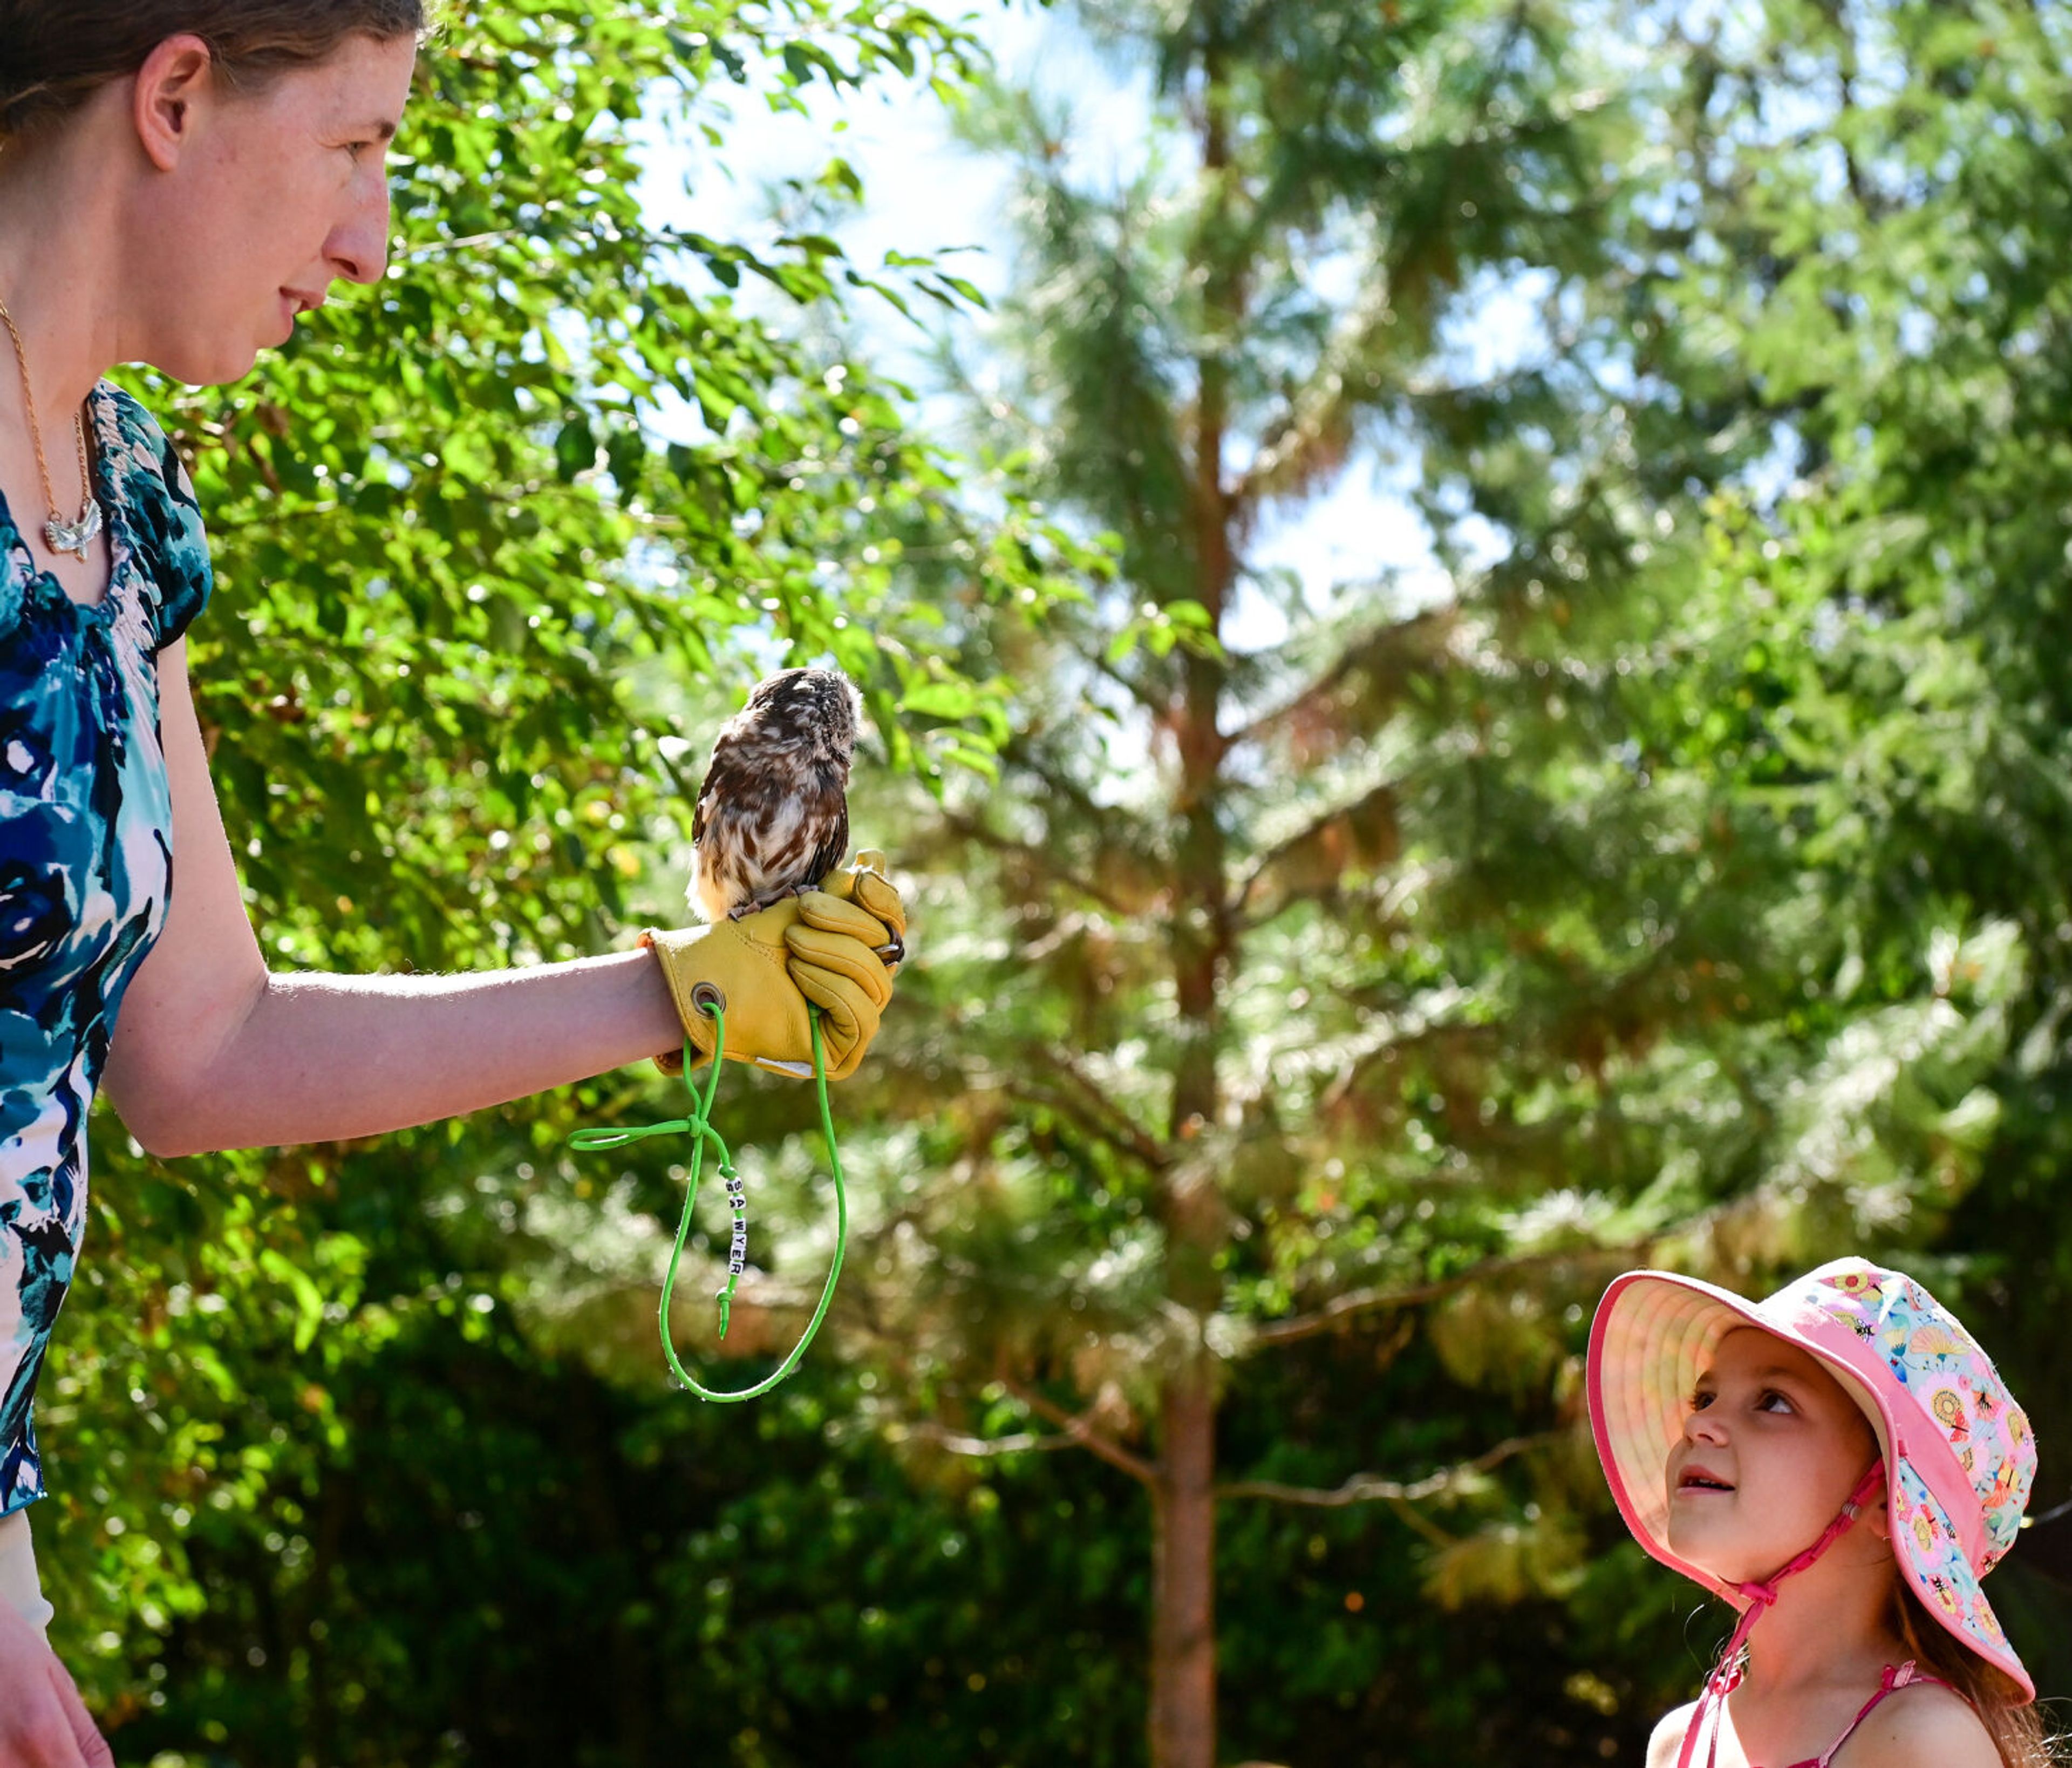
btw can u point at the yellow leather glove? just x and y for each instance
(846, 946)
(848, 957)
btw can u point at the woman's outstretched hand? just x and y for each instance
(845, 947)
(43, 1723)
(836, 948)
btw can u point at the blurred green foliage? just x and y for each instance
(1323, 988)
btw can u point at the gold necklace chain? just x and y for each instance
(63, 537)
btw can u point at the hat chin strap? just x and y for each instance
(1727, 1673)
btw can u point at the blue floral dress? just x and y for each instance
(85, 864)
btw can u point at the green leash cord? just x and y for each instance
(698, 1125)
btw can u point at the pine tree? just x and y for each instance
(1196, 1090)
(1404, 974)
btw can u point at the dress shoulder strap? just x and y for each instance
(155, 514)
(1903, 1675)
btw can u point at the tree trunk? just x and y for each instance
(1183, 1576)
(1183, 1579)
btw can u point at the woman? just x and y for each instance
(180, 180)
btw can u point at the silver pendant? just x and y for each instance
(74, 537)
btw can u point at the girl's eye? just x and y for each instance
(1699, 1401)
(1773, 1401)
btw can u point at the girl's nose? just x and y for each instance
(1705, 1427)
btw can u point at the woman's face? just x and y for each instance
(269, 198)
(1772, 1448)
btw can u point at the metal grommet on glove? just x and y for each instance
(709, 998)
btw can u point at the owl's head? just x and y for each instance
(818, 710)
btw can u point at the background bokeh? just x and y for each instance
(1464, 609)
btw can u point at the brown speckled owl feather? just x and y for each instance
(772, 817)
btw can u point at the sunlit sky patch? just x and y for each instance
(927, 193)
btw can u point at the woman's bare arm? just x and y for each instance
(211, 1051)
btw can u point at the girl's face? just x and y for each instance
(270, 198)
(1772, 1448)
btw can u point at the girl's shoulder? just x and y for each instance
(1924, 1725)
(1668, 1737)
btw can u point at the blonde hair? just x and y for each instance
(54, 54)
(2011, 1721)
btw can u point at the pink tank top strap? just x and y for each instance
(1895, 1678)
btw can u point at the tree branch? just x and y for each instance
(979, 1448)
(1314, 433)
(1097, 1112)
(1416, 1033)
(1075, 1425)
(1146, 697)
(1340, 1308)
(1041, 859)
(1021, 752)
(1368, 1488)
(1123, 878)
(1377, 800)
(1389, 653)
(1122, 1141)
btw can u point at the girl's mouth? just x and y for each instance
(1697, 1479)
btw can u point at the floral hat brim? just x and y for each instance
(1655, 1332)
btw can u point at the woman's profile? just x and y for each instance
(180, 181)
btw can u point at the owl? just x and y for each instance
(772, 817)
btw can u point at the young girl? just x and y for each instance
(1842, 1463)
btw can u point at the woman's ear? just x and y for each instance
(180, 70)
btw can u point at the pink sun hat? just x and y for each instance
(1960, 1456)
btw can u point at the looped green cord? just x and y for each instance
(699, 1126)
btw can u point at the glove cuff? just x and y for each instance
(686, 993)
